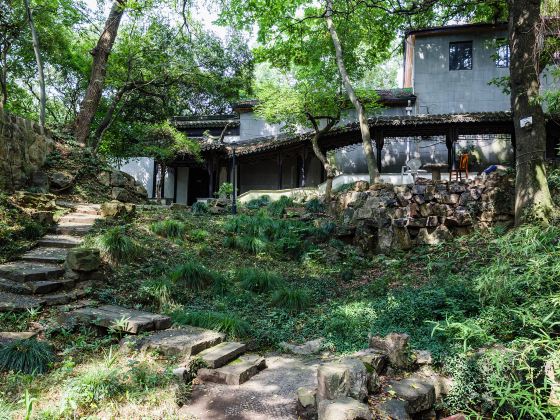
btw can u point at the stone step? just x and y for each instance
(236, 372)
(83, 208)
(76, 229)
(7, 337)
(186, 342)
(416, 391)
(46, 255)
(60, 241)
(80, 218)
(122, 319)
(10, 302)
(34, 287)
(222, 353)
(24, 271)
(64, 297)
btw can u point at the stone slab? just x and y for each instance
(113, 316)
(186, 342)
(60, 241)
(79, 218)
(222, 353)
(416, 391)
(46, 255)
(344, 408)
(9, 336)
(77, 229)
(10, 302)
(236, 372)
(30, 271)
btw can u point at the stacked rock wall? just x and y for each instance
(386, 217)
(24, 146)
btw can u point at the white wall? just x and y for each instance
(142, 169)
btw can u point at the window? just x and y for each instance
(502, 54)
(460, 55)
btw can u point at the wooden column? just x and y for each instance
(450, 140)
(279, 161)
(175, 176)
(154, 179)
(210, 169)
(379, 143)
(302, 160)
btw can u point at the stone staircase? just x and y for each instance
(37, 278)
(226, 361)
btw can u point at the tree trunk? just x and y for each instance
(364, 126)
(107, 119)
(35, 38)
(532, 196)
(326, 165)
(100, 54)
(4, 76)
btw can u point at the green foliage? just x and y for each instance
(219, 321)
(258, 280)
(163, 142)
(117, 246)
(199, 235)
(278, 208)
(199, 208)
(169, 228)
(257, 203)
(26, 356)
(315, 206)
(225, 190)
(192, 275)
(293, 300)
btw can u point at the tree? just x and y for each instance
(37, 50)
(532, 196)
(295, 31)
(100, 55)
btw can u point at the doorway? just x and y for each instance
(198, 184)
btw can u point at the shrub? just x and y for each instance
(257, 203)
(221, 285)
(193, 275)
(314, 206)
(26, 356)
(278, 208)
(199, 208)
(225, 190)
(293, 300)
(258, 280)
(157, 291)
(117, 246)
(169, 228)
(199, 235)
(219, 321)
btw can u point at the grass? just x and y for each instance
(192, 275)
(26, 356)
(169, 228)
(219, 321)
(258, 280)
(117, 246)
(293, 300)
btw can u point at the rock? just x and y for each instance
(423, 357)
(440, 235)
(121, 179)
(457, 188)
(361, 186)
(373, 359)
(347, 377)
(104, 178)
(306, 406)
(83, 259)
(426, 415)
(36, 201)
(43, 217)
(418, 189)
(431, 221)
(396, 346)
(7, 337)
(141, 190)
(401, 238)
(40, 181)
(392, 410)
(117, 209)
(122, 194)
(309, 347)
(416, 391)
(459, 416)
(373, 382)
(442, 384)
(552, 372)
(343, 409)
(60, 181)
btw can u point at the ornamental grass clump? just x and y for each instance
(193, 275)
(26, 356)
(258, 281)
(218, 321)
(117, 246)
(292, 300)
(169, 228)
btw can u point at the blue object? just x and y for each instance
(490, 169)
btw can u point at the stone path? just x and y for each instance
(37, 278)
(268, 395)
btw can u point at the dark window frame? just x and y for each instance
(457, 60)
(502, 60)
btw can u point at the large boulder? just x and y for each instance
(416, 391)
(344, 378)
(122, 194)
(397, 348)
(104, 178)
(439, 236)
(60, 181)
(83, 259)
(392, 410)
(344, 408)
(374, 360)
(121, 179)
(117, 209)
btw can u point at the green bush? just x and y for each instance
(258, 280)
(199, 235)
(218, 321)
(169, 228)
(117, 246)
(315, 206)
(293, 300)
(26, 356)
(257, 203)
(278, 208)
(193, 275)
(199, 208)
